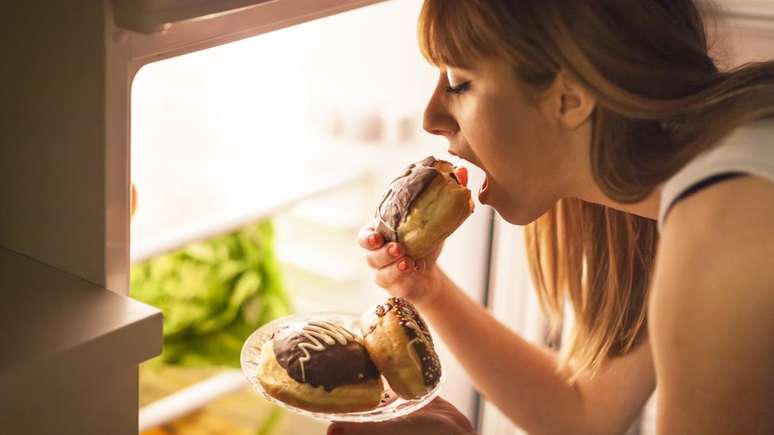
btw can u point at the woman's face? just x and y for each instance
(530, 159)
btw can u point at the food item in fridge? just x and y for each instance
(320, 366)
(425, 204)
(400, 344)
(213, 294)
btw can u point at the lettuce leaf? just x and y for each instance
(213, 294)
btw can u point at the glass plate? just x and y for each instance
(391, 405)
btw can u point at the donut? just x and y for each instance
(399, 343)
(422, 206)
(321, 367)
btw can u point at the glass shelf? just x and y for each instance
(170, 215)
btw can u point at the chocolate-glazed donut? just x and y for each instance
(423, 206)
(399, 343)
(320, 367)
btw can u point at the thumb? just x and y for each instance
(340, 428)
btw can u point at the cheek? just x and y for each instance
(522, 171)
(505, 132)
(491, 131)
(511, 154)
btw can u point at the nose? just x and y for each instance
(437, 119)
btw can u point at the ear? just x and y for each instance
(572, 104)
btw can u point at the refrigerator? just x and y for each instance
(221, 142)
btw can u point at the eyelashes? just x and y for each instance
(460, 88)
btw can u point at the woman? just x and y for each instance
(646, 178)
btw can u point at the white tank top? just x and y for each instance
(748, 150)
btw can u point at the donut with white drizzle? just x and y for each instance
(320, 366)
(319, 334)
(324, 353)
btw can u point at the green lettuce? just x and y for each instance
(213, 294)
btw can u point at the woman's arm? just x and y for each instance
(522, 380)
(712, 312)
(517, 376)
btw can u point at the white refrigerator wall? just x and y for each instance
(306, 124)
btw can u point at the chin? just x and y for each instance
(518, 213)
(517, 219)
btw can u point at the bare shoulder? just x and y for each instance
(712, 311)
(742, 205)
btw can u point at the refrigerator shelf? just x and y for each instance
(169, 217)
(191, 398)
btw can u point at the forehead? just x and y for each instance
(483, 67)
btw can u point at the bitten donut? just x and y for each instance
(321, 367)
(423, 206)
(399, 342)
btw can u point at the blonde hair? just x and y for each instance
(660, 101)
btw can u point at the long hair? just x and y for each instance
(661, 100)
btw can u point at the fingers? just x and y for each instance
(403, 279)
(351, 428)
(391, 274)
(394, 271)
(385, 255)
(462, 175)
(379, 254)
(369, 238)
(398, 271)
(437, 418)
(380, 428)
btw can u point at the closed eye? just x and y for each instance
(460, 88)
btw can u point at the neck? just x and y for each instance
(647, 208)
(580, 183)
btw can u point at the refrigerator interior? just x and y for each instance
(299, 130)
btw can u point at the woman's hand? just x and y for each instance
(439, 417)
(416, 280)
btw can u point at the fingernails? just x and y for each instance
(462, 175)
(373, 240)
(403, 265)
(394, 250)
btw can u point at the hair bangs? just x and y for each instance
(454, 33)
